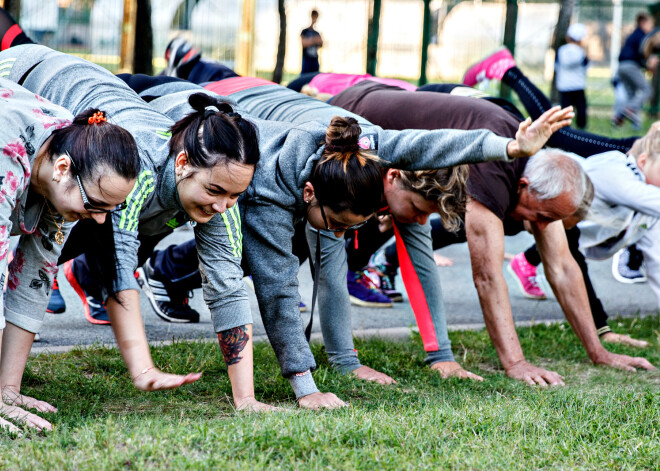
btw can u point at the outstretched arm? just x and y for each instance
(567, 283)
(485, 236)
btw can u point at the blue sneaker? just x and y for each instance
(93, 309)
(56, 305)
(363, 292)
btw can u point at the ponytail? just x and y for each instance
(347, 177)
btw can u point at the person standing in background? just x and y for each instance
(311, 42)
(632, 65)
(571, 73)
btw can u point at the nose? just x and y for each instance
(339, 234)
(98, 217)
(220, 206)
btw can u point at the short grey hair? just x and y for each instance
(551, 173)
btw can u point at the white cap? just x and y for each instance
(577, 32)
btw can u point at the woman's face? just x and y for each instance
(323, 218)
(204, 192)
(106, 191)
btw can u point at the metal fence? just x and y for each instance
(462, 32)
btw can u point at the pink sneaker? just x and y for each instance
(525, 274)
(492, 67)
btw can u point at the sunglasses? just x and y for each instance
(328, 228)
(86, 204)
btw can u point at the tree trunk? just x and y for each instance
(144, 42)
(373, 31)
(281, 43)
(13, 7)
(564, 20)
(510, 25)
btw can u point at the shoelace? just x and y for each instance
(533, 282)
(367, 282)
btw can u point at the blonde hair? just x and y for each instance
(649, 144)
(446, 187)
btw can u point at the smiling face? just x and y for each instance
(405, 205)
(541, 212)
(204, 192)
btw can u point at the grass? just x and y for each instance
(603, 419)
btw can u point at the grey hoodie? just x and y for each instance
(274, 201)
(153, 205)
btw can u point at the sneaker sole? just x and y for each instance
(359, 302)
(398, 298)
(617, 276)
(146, 289)
(522, 288)
(68, 273)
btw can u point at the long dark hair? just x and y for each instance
(347, 177)
(94, 149)
(214, 134)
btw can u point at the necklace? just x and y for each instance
(59, 235)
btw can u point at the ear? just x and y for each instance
(180, 163)
(392, 175)
(308, 192)
(61, 167)
(523, 184)
(642, 161)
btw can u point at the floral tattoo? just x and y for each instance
(232, 343)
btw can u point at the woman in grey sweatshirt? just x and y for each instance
(54, 170)
(275, 200)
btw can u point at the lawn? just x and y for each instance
(602, 419)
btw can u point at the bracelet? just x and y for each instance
(143, 372)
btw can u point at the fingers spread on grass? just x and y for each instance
(369, 374)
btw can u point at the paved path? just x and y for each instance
(462, 304)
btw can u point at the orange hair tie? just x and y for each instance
(97, 118)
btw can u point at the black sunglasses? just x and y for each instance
(86, 204)
(328, 228)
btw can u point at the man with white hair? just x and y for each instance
(533, 194)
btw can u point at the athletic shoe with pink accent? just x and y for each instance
(492, 67)
(525, 274)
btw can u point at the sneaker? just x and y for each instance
(56, 305)
(94, 309)
(303, 307)
(633, 117)
(168, 305)
(525, 274)
(617, 121)
(383, 279)
(179, 54)
(363, 292)
(626, 268)
(492, 67)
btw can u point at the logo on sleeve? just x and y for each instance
(368, 142)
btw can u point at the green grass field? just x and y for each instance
(602, 419)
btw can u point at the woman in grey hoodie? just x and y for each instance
(54, 170)
(276, 199)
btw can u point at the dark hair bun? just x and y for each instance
(199, 102)
(342, 132)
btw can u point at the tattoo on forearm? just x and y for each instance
(232, 343)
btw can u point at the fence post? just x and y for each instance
(372, 38)
(510, 37)
(426, 38)
(128, 36)
(13, 7)
(245, 53)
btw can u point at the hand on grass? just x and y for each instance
(623, 362)
(369, 374)
(250, 404)
(533, 375)
(18, 415)
(532, 136)
(12, 396)
(319, 400)
(451, 369)
(611, 337)
(156, 380)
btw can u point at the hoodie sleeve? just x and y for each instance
(274, 268)
(414, 149)
(219, 247)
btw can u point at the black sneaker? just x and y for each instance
(168, 305)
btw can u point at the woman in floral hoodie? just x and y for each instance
(54, 170)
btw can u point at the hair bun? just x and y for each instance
(200, 101)
(343, 134)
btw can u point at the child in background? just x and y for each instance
(571, 73)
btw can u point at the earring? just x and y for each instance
(307, 201)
